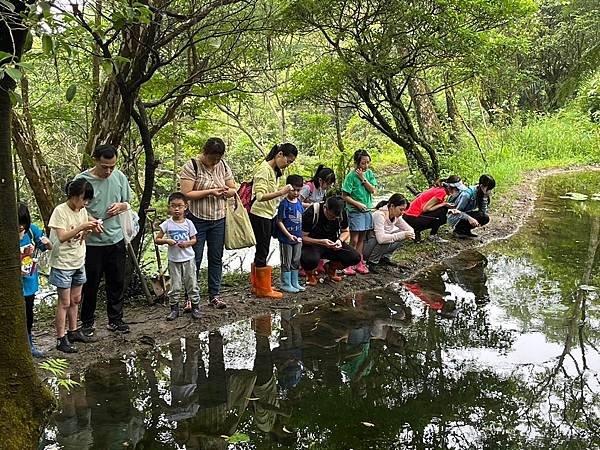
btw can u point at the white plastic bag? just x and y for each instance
(130, 225)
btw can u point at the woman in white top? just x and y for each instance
(389, 229)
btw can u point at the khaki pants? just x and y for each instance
(183, 280)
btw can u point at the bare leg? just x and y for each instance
(75, 300)
(64, 299)
(360, 240)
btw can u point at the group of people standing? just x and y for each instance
(337, 235)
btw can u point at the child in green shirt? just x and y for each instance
(358, 189)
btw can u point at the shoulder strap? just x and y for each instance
(195, 164)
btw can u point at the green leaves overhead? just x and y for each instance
(71, 91)
(47, 44)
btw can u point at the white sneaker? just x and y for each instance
(435, 238)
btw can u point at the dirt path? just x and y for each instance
(149, 328)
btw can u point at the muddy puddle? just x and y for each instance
(497, 348)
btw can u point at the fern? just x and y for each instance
(58, 368)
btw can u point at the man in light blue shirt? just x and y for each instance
(106, 253)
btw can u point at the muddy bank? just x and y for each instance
(148, 327)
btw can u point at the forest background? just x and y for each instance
(428, 87)
(457, 86)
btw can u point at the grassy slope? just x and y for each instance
(562, 140)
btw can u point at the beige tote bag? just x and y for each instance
(238, 230)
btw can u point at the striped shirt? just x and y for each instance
(207, 208)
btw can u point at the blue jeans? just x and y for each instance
(211, 232)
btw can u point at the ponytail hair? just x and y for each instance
(286, 149)
(394, 200)
(358, 155)
(323, 173)
(78, 187)
(487, 181)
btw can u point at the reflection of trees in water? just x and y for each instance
(569, 388)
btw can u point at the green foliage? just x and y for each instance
(590, 98)
(560, 140)
(58, 368)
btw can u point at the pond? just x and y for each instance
(497, 348)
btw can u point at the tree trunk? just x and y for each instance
(338, 127)
(141, 120)
(36, 170)
(111, 118)
(427, 118)
(452, 112)
(25, 400)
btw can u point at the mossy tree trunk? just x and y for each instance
(24, 398)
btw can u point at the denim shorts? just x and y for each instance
(65, 278)
(360, 221)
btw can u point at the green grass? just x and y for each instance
(562, 140)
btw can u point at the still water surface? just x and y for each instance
(496, 349)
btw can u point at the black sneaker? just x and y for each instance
(118, 325)
(88, 329)
(387, 262)
(63, 345)
(78, 336)
(374, 267)
(196, 311)
(174, 314)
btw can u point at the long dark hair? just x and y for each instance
(488, 182)
(24, 216)
(286, 149)
(323, 173)
(394, 200)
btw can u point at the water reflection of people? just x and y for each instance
(466, 270)
(288, 355)
(209, 405)
(114, 419)
(73, 422)
(268, 413)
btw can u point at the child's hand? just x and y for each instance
(44, 240)
(360, 174)
(170, 242)
(337, 244)
(295, 238)
(361, 207)
(184, 244)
